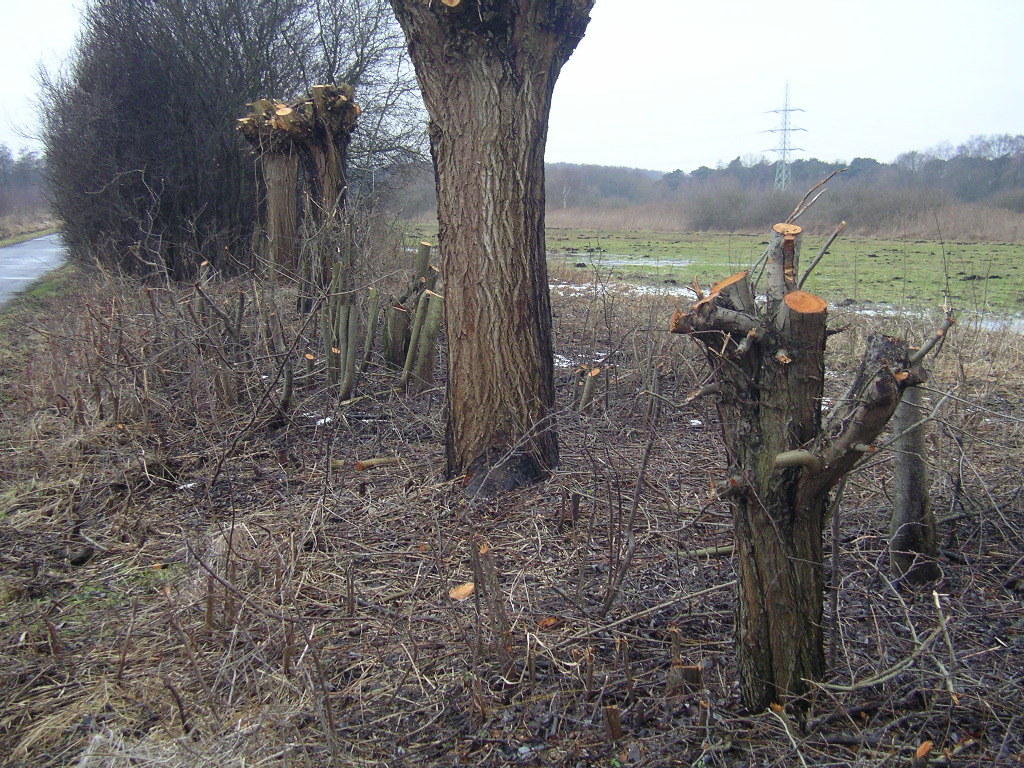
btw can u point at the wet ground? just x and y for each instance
(25, 262)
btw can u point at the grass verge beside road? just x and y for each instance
(51, 284)
(19, 318)
(24, 236)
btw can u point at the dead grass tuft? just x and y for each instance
(965, 221)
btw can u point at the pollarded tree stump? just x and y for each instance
(768, 363)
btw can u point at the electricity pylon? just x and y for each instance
(785, 131)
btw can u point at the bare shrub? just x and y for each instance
(965, 221)
(651, 216)
(727, 206)
(163, 170)
(22, 190)
(145, 166)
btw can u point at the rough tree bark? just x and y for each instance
(281, 172)
(327, 117)
(912, 544)
(768, 363)
(272, 141)
(487, 69)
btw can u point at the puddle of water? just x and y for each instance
(1012, 323)
(597, 358)
(588, 289)
(986, 321)
(619, 260)
(561, 361)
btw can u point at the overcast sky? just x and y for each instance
(667, 84)
(35, 32)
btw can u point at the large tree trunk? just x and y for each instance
(769, 369)
(331, 119)
(487, 69)
(270, 129)
(329, 116)
(281, 172)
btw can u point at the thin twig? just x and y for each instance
(789, 732)
(627, 559)
(640, 614)
(821, 253)
(836, 577)
(938, 336)
(803, 205)
(950, 684)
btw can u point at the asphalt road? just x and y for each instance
(22, 263)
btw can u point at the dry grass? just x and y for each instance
(656, 217)
(244, 596)
(963, 222)
(17, 225)
(966, 221)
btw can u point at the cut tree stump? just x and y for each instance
(912, 544)
(782, 462)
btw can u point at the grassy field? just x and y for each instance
(977, 276)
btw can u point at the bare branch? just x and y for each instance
(803, 205)
(940, 335)
(821, 254)
(798, 458)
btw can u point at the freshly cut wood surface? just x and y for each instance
(727, 281)
(787, 230)
(804, 302)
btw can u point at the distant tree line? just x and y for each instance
(145, 166)
(22, 182)
(987, 170)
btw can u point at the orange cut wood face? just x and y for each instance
(462, 591)
(804, 302)
(788, 231)
(727, 281)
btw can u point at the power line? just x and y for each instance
(785, 147)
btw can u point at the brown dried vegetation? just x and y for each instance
(190, 577)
